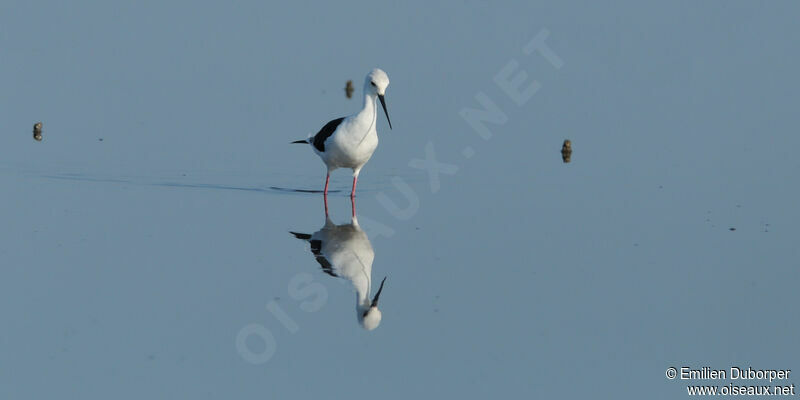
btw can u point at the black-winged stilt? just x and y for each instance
(349, 142)
(344, 251)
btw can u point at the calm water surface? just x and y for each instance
(158, 262)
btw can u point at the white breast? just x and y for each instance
(352, 145)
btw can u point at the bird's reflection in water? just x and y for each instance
(344, 251)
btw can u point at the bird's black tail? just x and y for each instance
(303, 236)
(300, 141)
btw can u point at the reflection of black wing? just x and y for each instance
(326, 266)
(319, 139)
(316, 248)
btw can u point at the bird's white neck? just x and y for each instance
(368, 112)
(363, 303)
(362, 293)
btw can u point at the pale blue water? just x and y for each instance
(131, 264)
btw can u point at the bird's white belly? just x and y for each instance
(351, 258)
(351, 151)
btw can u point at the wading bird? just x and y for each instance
(344, 251)
(349, 142)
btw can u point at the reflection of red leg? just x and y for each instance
(327, 178)
(325, 199)
(353, 193)
(353, 205)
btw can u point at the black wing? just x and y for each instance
(326, 132)
(316, 248)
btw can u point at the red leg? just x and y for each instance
(353, 205)
(327, 178)
(353, 193)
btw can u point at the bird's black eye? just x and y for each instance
(372, 83)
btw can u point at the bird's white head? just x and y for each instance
(371, 319)
(370, 316)
(375, 84)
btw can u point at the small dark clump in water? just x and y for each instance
(348, 89)
(100, 139)
(731, 229)
(566, 151)
(37, 131)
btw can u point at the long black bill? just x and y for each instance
(383, 103)
(377, 295)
